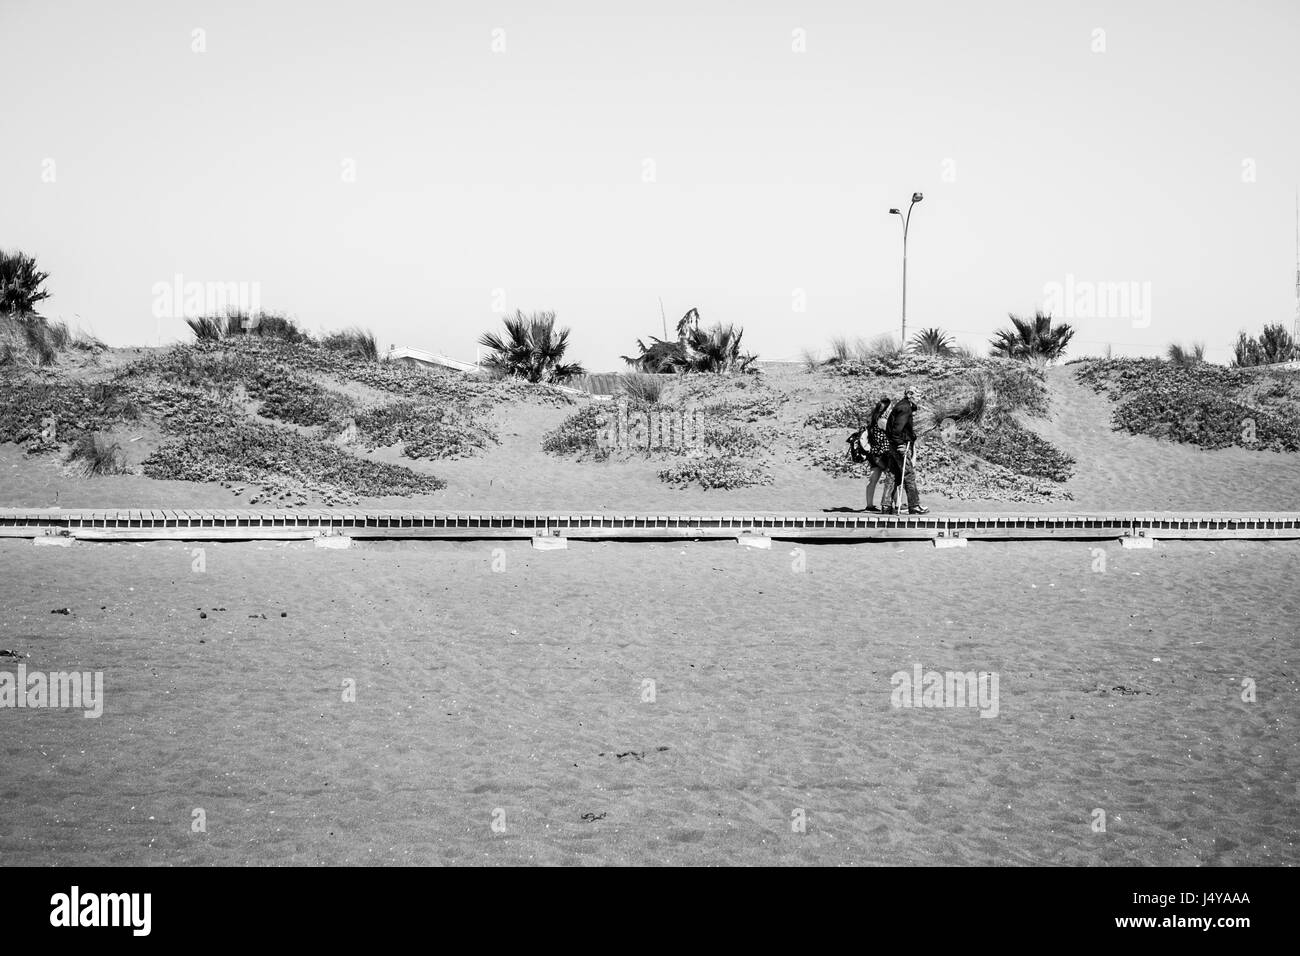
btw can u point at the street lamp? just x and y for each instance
(916, 198)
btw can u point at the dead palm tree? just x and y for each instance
(715, 349)
(531, 348)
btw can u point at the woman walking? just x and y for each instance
(877, 448)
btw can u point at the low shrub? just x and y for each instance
(1001, 440)
(425, 430)
(715, 471)
(1199, 403)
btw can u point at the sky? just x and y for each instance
(422, 168)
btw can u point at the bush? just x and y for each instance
(425, 430)
(1201, 403)
(1001, 440)
(1274, 345)
(289, 397)
(98, 455)
(715, 471)
(42, 416)
(355, 343)
(218, 446)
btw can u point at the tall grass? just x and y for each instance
(33, 337)
(844, 349)
(267, 325)
(968, 405)
(645, 388)
(356, 342)
(206, 328)
(97, 454)
(1181, 356)
(882, 346)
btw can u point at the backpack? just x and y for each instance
(857, 453)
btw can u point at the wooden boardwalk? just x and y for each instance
(247, 525)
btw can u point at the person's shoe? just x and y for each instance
(872, 508)
(918, 510)
(889, 511)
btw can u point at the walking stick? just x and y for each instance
(899, 495)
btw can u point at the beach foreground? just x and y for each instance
(696, 703)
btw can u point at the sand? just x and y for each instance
(511, 695)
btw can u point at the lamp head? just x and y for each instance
(894, 212)
(917, 197)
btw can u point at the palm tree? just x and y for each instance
(932, 342)
(20, 284)
(532, 348)
(1031, 340)
(715, 349)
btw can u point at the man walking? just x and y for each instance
(901, 436)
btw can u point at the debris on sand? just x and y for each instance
(62, 610)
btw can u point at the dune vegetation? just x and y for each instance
(1209, 405)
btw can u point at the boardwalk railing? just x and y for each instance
(192, 525)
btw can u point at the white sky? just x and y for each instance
(523, 170)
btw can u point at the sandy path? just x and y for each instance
(1118, 467)
(516, 690)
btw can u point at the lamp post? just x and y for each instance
(916, 198)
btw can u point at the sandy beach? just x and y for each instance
(519, 696)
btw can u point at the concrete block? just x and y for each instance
(334, 541)
(950, 542)
(1133, 541)
(53, 541)
(550, 543)
(760, 541)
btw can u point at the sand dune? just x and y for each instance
(1114, 471)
